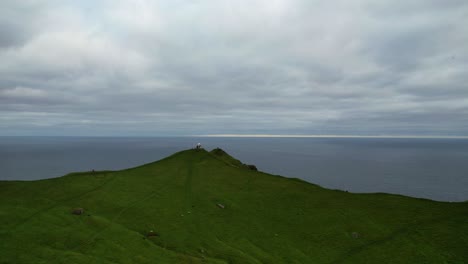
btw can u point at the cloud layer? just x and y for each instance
(236, 67)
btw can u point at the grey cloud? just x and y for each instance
(207, 67)
(11, 35)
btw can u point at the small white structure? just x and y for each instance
(198, 146)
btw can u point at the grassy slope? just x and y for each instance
(267, 219)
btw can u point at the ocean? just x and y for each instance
(435, 169)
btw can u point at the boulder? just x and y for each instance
(78, 211)
(252, 167)
(152, 234)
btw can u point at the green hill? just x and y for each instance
(202, 207)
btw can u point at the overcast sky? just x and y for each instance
(156, 68)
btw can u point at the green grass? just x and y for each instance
(266, 219)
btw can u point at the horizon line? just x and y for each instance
(258, 136)
(327, 136)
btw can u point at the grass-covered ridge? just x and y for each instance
(265, 219)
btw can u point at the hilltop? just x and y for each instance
(208, 207)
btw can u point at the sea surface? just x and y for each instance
(436, 169)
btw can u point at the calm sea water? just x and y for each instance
(428, 168)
